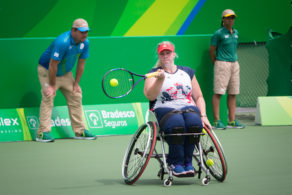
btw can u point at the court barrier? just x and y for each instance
(274, 110)
(21, 124)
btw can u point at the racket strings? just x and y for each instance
(124, 86)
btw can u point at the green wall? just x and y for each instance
(48, 18)
(20, 58)
(22, 20)
(255, 18)
(280, 65)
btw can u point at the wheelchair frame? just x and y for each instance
(142, 148)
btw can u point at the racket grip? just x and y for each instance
(152, 74)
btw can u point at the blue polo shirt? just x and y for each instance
(226, 44)
(64, 49)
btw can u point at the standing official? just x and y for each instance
(55, 72)
(226, 69)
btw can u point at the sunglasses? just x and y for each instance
(229, 17)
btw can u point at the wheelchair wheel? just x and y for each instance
(213, 153)
(139, 152)
(221, 148)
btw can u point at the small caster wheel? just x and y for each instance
(167, 183)
(205, 181)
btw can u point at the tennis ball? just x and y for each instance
(204, 131)
(210, 162)
(114, 82)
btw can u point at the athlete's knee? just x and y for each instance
(179, 138)
(193, 139)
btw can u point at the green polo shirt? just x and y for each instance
(226, 44)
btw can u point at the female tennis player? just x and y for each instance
(176, 88)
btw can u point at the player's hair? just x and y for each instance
(158, 63)
(222, 23)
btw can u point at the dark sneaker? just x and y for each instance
(44, 137)
(218, 125)
(190, 170)
(178, 171)
(235, 124)
(85, 135)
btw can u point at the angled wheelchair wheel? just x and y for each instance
(213, 155)
(221, 148)
(139, 152)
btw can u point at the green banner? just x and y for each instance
(11, 127)
(60, 122)
(115, 119)
(22, 124)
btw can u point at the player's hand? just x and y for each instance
(50, 91)
(76, 88)
(161, 74)
(206, 122)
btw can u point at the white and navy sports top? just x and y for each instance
(176, 89)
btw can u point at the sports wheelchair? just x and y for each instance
(208, 154)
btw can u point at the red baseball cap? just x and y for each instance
(165, 46)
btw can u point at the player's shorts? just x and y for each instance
(226, 77)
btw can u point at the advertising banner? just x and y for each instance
(22, 124)
(60, 122)
(115, 119)
(12, 126)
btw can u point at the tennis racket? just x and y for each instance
(119, 82)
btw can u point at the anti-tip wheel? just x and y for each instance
(167, 183)
(205, 181)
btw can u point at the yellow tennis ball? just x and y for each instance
(114, 82)
(210, 162)
(204, 131)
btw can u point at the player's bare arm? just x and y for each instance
(153, 85)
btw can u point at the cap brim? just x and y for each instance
(161, 50)
(83, 29)
(227, 15)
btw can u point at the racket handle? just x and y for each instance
(152, 74)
